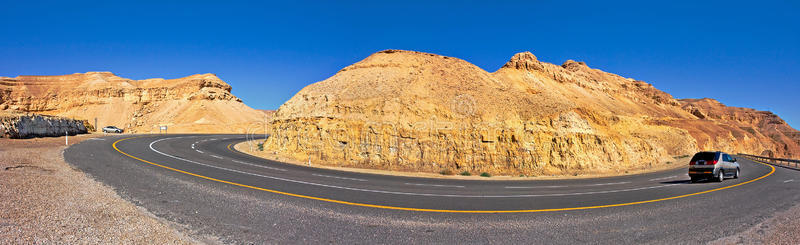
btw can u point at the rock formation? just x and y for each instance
(740, 129)
(197, 103)
(23, 126)
(406, 110)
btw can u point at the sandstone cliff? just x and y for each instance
(197, 103)
(406, 110)
(21, 126)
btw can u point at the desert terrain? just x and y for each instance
(200, 103)
(413, 111)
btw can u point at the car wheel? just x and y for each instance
(693, 180)
(737, 174)
(721, 176)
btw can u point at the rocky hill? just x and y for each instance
(406, 110)
(197, 103)
(721, 124)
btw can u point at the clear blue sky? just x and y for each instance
(741, 53)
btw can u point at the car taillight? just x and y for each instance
(692, 163)
(713, 162)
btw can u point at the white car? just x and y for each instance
(112, 129)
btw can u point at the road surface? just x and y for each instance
(200, 182)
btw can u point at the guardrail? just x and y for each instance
(789, 163)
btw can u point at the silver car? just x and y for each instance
(112, 129)
(713, 166)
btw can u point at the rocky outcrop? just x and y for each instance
(406, 110)
(197, 103)
(29, 126)
(739, 129)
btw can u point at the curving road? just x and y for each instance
(200, 182)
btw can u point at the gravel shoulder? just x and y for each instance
(781, 228)
(44, 201)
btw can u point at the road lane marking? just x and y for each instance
(454, 186)
(396, 192)
(201, 152)
(787, 181)
(256, 165)
(663, 178)
(215, 156)
(337, 177)
(114, 145)
(535, 187)
(615, 183)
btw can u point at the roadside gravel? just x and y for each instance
(44, 200)
(782, 228)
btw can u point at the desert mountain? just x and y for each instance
(408, 110)
(198, 103)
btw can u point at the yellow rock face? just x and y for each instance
(198, 103)
(405, 110)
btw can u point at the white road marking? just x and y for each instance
(198, 151)
(616, 183)
(668, 177)
(456, 186)
(260, 166)
(535, 187)
(787, 181)
(401, 193)
(337, 177)
(215, 156)
(96, 139)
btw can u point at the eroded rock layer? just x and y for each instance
(197, 103)
(408, 110)
(21, 126)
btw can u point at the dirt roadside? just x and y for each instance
(45, 201)
(780, 229)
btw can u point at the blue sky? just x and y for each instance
(742, 53)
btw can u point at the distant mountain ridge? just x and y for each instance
(199, 103)
(415, 111)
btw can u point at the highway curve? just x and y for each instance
(215, 192)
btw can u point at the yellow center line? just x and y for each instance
(436, 210)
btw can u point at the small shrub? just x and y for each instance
(485, 174)
(447, 172)
(261, 146)
(466, 173)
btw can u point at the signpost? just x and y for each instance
(162, 128)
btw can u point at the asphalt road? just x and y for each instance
(198, 181)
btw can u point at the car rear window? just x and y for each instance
(708, 156)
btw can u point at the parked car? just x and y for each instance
(112, 129)
(713, 166)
